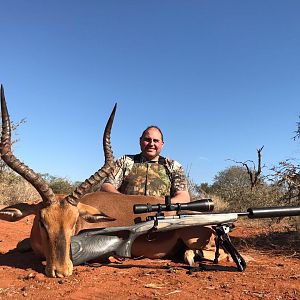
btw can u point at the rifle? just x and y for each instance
(117, 241)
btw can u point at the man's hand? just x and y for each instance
(107, 187)
(181, 197)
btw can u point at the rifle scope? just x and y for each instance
(202, 205)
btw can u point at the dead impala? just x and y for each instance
(58, 218)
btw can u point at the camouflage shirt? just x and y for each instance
(135, 176)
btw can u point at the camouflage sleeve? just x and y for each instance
(122, 167)
(179, 180)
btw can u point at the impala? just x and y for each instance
(58, 218)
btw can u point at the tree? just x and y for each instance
(59, 185)
(234, 187)
(230, 184)
(287, 176)
(297, 136)
(253, 173)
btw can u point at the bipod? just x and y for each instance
(223, 240)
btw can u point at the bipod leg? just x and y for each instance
(218, 241)
(224, 241)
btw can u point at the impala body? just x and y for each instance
(59, 217)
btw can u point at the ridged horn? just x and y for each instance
(108, 153)
(104, 171)
(8, 157)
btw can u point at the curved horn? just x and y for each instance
(5, 149)
(108, 153)
(104, 171)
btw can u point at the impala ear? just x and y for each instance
(92, 214)
(97, 218)
(18, 211)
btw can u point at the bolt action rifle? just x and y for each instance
(117, 241)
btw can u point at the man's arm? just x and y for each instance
(114, 180)
(179, 182)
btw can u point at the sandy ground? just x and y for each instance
(273, 272)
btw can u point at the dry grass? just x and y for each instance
(15, 190)
(220, 204)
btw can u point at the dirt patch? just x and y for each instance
(273, 272)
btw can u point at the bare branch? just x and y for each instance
(297, 136)
(254, 175)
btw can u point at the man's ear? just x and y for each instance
(141, 142)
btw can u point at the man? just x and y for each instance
(148, 173)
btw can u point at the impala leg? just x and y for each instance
(200, 241)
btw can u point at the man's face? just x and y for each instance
(151, 144)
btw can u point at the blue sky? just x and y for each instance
(221, 79)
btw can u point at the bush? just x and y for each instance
(58, 185)
(61, 186)
(14, 189)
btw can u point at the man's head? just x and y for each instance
(151, 142)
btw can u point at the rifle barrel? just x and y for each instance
(272, 212)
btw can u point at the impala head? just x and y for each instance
(57, 219)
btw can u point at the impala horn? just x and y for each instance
(104, 171)
(6, 154)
